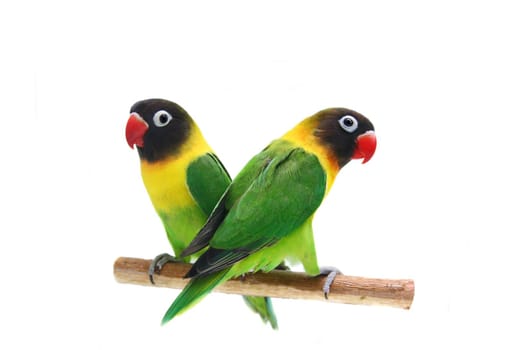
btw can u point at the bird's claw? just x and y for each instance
(158, 263)
(331, 273)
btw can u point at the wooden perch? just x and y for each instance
(279, 284)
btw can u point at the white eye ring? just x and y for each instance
(162, 118)
(348, 123)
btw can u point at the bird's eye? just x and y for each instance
(348, 123)
(161, 118)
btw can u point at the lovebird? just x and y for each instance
(183, 177)
(266, 214)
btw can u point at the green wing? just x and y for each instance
(207, 180)
(288, 187)
(244, 179)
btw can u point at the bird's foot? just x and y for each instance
(331, 273)
(158, 263)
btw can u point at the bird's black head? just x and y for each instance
(158, 128)
(347, 133)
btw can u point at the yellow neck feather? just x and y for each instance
(165, 180)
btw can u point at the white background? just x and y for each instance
(443, 201)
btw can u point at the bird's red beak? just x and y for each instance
(366, 144)
(136, 128)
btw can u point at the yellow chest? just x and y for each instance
(166, 184)
(166, 181)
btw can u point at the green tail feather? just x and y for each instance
(193, 292)
(262, 306)
(199, 287)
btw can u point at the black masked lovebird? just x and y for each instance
(266, 214)
(183, 177)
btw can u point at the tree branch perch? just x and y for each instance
(279, 284)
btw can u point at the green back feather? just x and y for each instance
(286, 192)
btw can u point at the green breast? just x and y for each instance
(181, 225)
